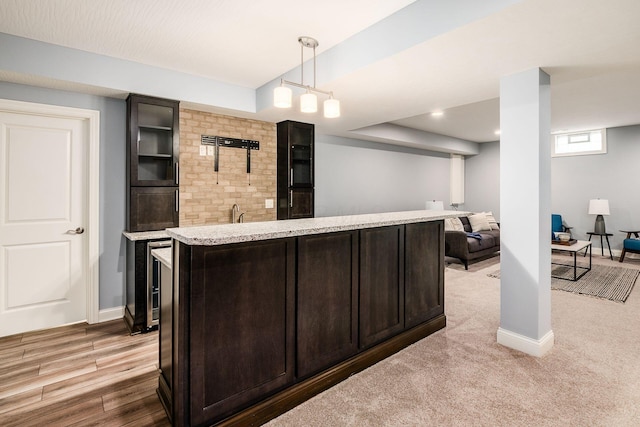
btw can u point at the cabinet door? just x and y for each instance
(424, 272)
(300, 155)
(153, 141)
(327, 300)
(300, 203)
(244, 298)
(153, 208)
(381, 284)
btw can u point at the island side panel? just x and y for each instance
(242, 325)
(424, 274)
(327, 300)
(381, 284)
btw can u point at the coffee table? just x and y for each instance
(574, 249)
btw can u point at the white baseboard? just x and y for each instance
(537, 348)
(110, 314)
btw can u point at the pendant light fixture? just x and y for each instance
(308, 101)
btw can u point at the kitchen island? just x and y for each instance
(262, 316)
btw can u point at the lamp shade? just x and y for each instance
(331, 108)
(282, 97)
(598, 207)
(308, 103)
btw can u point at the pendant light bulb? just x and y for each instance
(331, 108)
(282, 97)
(308, 103)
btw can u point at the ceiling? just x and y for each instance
(389, 62)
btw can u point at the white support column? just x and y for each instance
(525, 213)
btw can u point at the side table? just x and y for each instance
(606, 236)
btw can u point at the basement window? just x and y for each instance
(579, 143)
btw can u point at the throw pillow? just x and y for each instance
(492, 221)
(448, 225)
(453, 224)
(479, 222)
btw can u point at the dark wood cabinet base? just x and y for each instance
(259, 327)
(293, 396)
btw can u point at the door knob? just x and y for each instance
(78, 230)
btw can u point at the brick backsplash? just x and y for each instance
(206, 196)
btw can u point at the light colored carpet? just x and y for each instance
(460, 376)
(602, 281)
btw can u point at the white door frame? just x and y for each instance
(92, 254)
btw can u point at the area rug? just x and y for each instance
(612, 283)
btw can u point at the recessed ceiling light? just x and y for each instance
(497, 132)
(437, 113)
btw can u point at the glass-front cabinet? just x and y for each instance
(154, 141)
(295, 170)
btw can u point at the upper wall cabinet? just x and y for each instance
(295, 170)
(153, 139)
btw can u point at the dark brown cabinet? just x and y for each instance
(251, 322)
(153, 208)
(381, 284)
(423, 277)
(153, 140)
(295, 170)
(327, 300)
(258, 327)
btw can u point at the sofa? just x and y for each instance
(471, 237)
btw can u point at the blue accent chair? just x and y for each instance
(630, 244)
(558, 226)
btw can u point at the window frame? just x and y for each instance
(601, 150)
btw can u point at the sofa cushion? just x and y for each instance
(479, 222)
(485, 242)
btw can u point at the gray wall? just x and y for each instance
(574, 181)
(577, 179)
(354, 177)
(112, 178)
(482, 180)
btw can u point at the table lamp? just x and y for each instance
(599, 207)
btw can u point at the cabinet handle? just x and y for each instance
(291, 180)
(177, 172)
(291, 198)
(177, 202)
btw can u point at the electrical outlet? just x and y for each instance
(268, 203)
(203, 150)
(210, 150)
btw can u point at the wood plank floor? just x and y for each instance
(80, 375)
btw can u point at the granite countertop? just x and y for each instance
(163, 255)
(245, 232)
(145, 235)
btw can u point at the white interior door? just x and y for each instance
(43, 215)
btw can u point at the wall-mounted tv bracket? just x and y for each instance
(223, 141)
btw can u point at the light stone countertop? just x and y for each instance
(145, 235)
(212, 235)
(163, 255)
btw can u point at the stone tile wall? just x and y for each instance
(206, 196)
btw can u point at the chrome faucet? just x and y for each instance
(235, 209)
(241, 218)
